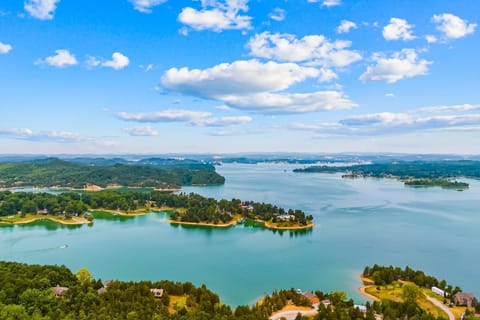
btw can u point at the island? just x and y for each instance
(192, 209)
(50, 292)
(52, 172)
(442, 174)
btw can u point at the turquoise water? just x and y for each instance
(358, 222)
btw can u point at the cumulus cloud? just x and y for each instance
(398, 29)
(5, 48)
(222, 121)
(41, 9)
(254, 86)
(142, 131)
(119, 61)
(242, 77)
(217, 15)
(277, 14)
(452, 26)
(402, 64)
(145, 6)
(62, 58)
(345, 26)
(431, 38)
(163, 116)
(316, 49)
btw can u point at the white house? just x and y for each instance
(438, 291)
(361, 308)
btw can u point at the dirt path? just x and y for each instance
(441, 306)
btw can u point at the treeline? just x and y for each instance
(407, 169)
(383, 275)
(26, 293)
(54, 172)
(443, 183)
(194, 207)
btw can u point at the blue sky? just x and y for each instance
(223, 76)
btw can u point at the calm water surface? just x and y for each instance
(358, 222)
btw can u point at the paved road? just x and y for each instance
(441, 306)
(291, 315)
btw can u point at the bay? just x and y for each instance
(358, 222)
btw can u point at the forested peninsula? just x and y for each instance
(64, 174)
(18, 207)
(54, 292)
(442, 174)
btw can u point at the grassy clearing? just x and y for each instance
(177, 303)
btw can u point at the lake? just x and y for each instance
(358, 222)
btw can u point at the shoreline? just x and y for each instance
(73, 221)
(365, 286)
(205, 224)
(91, 188)
(293, 228)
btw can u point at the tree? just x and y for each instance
(83, 275)
(411, 292)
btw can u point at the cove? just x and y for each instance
(358, 223)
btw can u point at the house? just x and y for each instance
(59, 291)
(107, 283)
(43, 211)
(464, 299)
(326, 302)
(438, 291)
(312, 297)
(361, 308)
(158, 293)
(102, 290)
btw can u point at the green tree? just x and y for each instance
(83, 275)
(411, 292)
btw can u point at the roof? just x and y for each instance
(464, 296)
(157, 292)
(309, 295)
(59, 290)
(102, 290)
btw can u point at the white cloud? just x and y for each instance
(402, 64)
(147, 68)
(398, 29)
(391, 123)
(223, 108)
(327, 75)
(289, 103)
(345, 26)
(221, 122)
(62, 59)
(119, 61)
(390, 95)
(254, 86)
(313, 48)
(163, 116)
(92, 62)
(431, 38)
(454, 108)
(327, 3)
(41, 9)
(216, 15)
(5, 48)
(278, 14)
(145, 6)
(453, 27)
(242, 77)
(143, 131)
(55, 136)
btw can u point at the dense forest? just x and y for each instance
(28, 292)
(186, 207)
(55, 172)
(413, 173)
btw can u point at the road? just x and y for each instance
(441, 306)
(291, 315)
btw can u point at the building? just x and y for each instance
(43, 211)
(361, 308)
(438, 291)
(158, 293)
(464, 299)
(310, 296)
(59, 291)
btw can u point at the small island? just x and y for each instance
(190, 209)
(441, 174)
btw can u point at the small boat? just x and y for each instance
(64, 246)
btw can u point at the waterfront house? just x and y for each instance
(438, 291)
(59, 291)
(361, 308)
(464, 299)
(102, 290)
(43, 211)
(312, 297)
(158, 293)
(326, 302)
